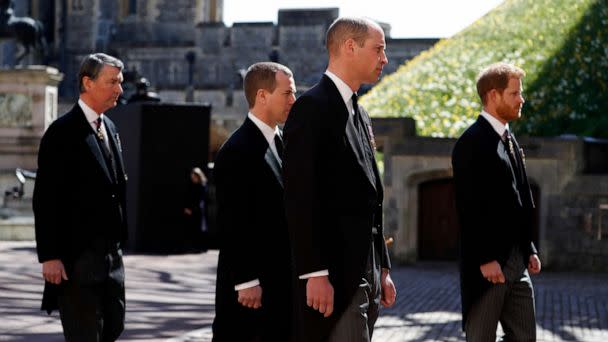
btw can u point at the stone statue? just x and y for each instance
(26, 31)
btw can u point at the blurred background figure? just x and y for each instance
(142, 94)
(194, 211)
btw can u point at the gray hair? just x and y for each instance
(92, 64)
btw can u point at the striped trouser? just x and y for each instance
(511, 303)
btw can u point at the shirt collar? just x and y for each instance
(89, 113)
(497, 125)
(266, 130)
(343, 88)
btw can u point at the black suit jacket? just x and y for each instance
(333, 200)
(494, 204)
(76, 200)
(254, 242)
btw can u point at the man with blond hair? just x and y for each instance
(495, 208)
(334, 194)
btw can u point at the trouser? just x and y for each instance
(511, 304)
(92, 300)
(357, 322)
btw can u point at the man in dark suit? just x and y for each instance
(334, 194)
(495, 208)
(253, 288)
(79, 207)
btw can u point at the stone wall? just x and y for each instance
(569, 199)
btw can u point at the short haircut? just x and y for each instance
(262, 75)
(345, 28)
(496, 76)
(92, 64)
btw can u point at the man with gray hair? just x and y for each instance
(79, 208)
(334, 194)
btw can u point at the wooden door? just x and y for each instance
(437, 221)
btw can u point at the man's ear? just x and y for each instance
(349, 46)
(261, 96)
(86, 82)
(491, 96)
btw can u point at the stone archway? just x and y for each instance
(406, 248)
(432, 230)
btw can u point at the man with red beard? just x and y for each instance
(495, 208)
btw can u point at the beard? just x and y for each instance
(508, 113)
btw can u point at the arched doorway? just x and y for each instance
(437, 221)
(438, 226)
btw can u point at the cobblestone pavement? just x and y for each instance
(170, 298)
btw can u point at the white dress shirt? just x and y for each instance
(498, 126)
(269, 134)
(92, 116)
(344, 90)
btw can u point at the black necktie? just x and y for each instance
(278, 143)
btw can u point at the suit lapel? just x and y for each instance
(502, 154)
(274, 165)
(115, 145)
(259, 144)
(524, 174)
(350, 130)
(91, 141)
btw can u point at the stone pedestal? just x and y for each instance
(28, 104)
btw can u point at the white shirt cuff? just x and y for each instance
(314, 274)
(247, 285)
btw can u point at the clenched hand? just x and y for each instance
(492, 272)
(251, 297)
(53, 271)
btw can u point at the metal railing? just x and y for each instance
(17, 192)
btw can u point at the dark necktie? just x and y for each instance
(357, 115)
(98, 130)
(107, 152)
(363, 136)
(278, 143)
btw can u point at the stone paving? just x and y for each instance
(170, 298)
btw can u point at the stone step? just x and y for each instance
(17, 228)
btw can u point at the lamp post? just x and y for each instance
(190, 58)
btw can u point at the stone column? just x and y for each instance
(28, 105)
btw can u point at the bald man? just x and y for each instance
(334, 194)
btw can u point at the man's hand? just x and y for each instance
(320, 295)
(492, 272)
(389, 293)
(251, 297)
(534, 264)
(188, 211)
(53, 271)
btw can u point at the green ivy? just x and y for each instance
(561, 44)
